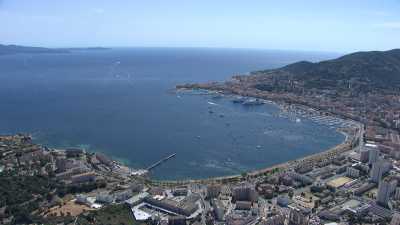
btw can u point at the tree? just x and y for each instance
(291, 194)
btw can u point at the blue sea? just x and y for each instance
(120, 102)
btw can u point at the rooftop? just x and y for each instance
(339, 182)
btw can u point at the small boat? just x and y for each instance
(216, 97)
(238, 100)
(252, 102)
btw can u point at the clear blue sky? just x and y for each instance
(327, 25)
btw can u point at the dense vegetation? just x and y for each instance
(110, 215)
(22, 194)
(62, 190)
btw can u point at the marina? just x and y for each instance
(292, 112)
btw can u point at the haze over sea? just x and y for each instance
(118, 102)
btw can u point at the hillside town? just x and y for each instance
(355, 98)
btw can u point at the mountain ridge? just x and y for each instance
(379, 67)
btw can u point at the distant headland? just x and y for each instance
(16, 49)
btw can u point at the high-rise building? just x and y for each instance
(352, 172)
(373, 155)
(395, 219)
(386, 187)
(297, 218)
(213, 190)
(378, 169)
(245, 192)
(218, 208)
(278, 219)
(397, 194)
(364, 155)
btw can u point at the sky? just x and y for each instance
(312, 25)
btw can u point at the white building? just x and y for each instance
(135, 200)
(82, 199)
(104, 198)
(140, 215)
(352, 172)
(123, 195)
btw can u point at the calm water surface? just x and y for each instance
(118, 102)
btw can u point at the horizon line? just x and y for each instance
(189, 47)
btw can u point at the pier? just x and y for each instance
(160, 162)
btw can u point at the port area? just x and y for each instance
(293, 112)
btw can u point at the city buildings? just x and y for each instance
(352, 172)
(297, 218)
(386, 188)
(244, 192)
(364, 155)
(213, 190)
(379, 168)
(373, 155)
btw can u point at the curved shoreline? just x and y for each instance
(340, 148)
(281, 167)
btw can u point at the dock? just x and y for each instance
(160, 162)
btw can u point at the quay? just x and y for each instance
(160, 162)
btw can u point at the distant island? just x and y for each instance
(16, 49)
